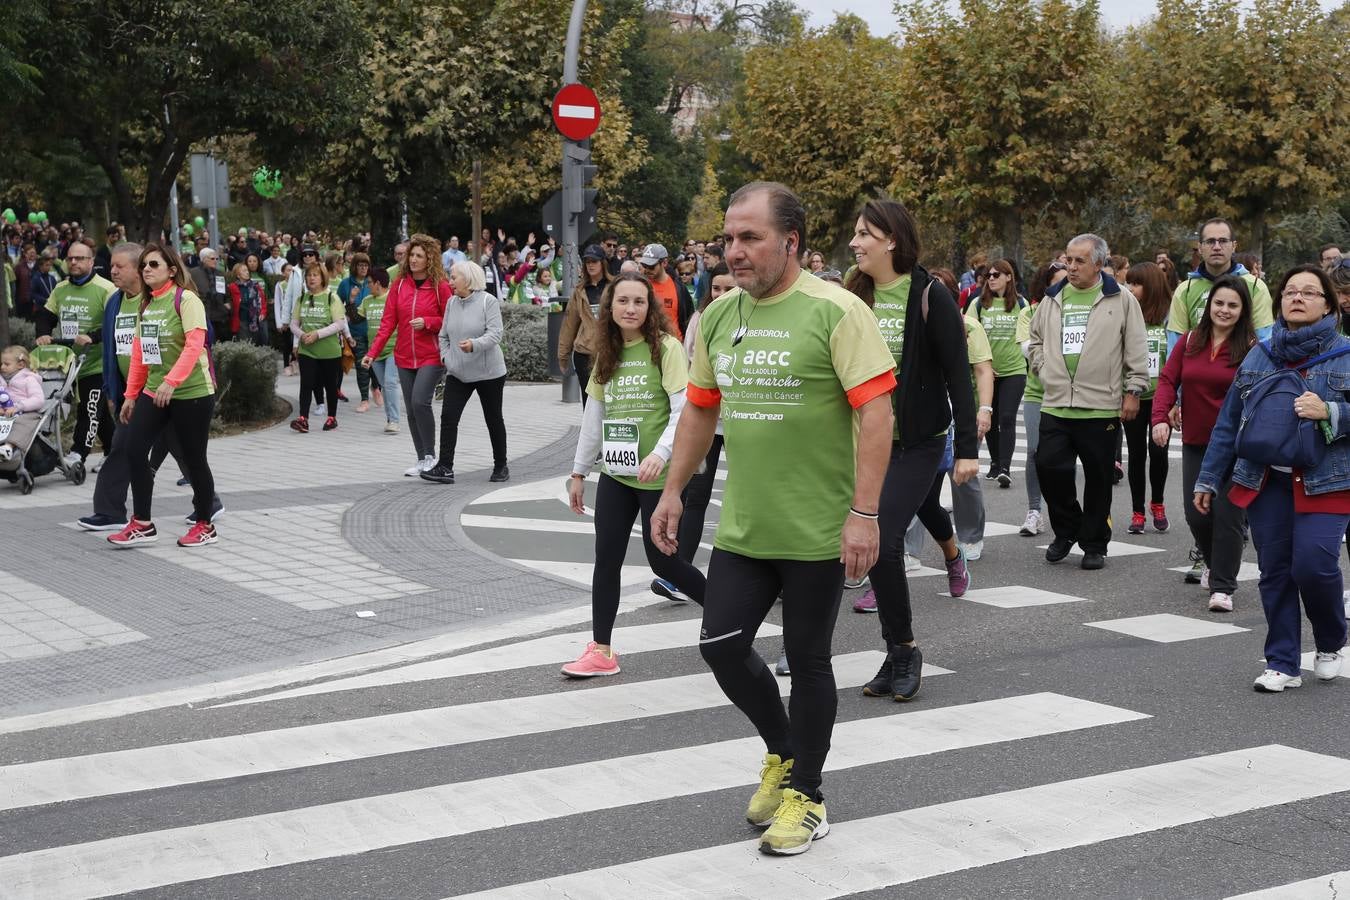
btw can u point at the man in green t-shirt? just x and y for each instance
(77, 305)
(1217, 245)
(788, 361)
(1087, 346)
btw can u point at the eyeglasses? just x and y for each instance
(1306, 294)
(1216, 242)
(151, 264)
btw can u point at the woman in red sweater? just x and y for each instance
(415, 307)
(1202, 372)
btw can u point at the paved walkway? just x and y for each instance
(321, 531)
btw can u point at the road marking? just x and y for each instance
(155, 859)
(1249, 571)
(1167, 628)
(1323, 887)
(1114, 548)
(278, 750)
(1016, 596)
(980, 831)
(553, 649)
(580, 572)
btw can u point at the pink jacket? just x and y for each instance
(406, 301)
(25, 390)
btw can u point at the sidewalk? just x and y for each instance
(318, 528)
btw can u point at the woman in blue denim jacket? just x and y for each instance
(1290, 508)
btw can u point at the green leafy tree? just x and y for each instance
(136, 84)
(1265, 93)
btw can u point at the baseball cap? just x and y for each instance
(653, 254)
(593, 252)
(308, 249)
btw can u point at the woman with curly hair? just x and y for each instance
(415, 309)
(637, 392)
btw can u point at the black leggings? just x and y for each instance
(1138, 435)
(1002, 436)
(319, 375)
(741, 591)
(191, 424)
(696, 497)
(617, 506)
(909, 481)
(581, 362)
(931, 514)
(457, 395)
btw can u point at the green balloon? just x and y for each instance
(10, 217)
(187, 230)
(267, 182)
(32, 218)
(42, 217)
(199, 222)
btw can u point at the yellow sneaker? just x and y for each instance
(798, 822)
(773, 780)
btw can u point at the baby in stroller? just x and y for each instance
(21, 399)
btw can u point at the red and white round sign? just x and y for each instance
(576, 112)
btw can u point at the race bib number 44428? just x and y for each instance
(620, 448)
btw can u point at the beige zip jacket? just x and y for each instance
(1114, 358)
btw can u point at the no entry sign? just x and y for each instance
(576, 112)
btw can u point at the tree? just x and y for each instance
(138, 83)
(1265, 131)
(1001, 100)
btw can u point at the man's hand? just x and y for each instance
(665, 523)
(859, 545)
(963, 470)
(1129, 408)
(43, 340)
(83, 340)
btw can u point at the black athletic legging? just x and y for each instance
(909, 481)
(696, 497)
(1138, 435)
(1001, 438)
(617, 506)
(319, 375)
(191, 423)
(741, 591)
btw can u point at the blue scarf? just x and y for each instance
(1289, 345)
(81, 282)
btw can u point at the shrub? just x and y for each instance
(246, 381)
(21, 331)
(525, 342)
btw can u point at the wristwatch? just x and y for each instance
(1135, 392)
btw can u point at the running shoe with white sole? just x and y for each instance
(1272, 682)
(774, 778)
(100, 522)
(798, 821)
(201, 534)
(135, 534)
(217, 510)
(663, 588)
(867, 603)
(1220, 602)
(973, 552)
(1326, 666)
(958, 576)
(593, 663)
(854, 585)
(1031, 526)
(912, 563)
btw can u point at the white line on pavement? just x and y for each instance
(1323, 887)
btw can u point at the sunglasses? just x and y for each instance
(152, 264)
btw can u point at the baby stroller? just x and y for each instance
(39, 449)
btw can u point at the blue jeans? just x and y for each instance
(1314, 573)
(386, 373)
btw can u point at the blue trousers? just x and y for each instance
(1313, 574)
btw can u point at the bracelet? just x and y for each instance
(853, 510)
(988, 409)
(575, 475)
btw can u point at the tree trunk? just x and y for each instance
(1257, 242)
(476, 203)
(1012, 235)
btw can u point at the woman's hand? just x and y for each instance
(365, 362)
(308, 338)
(1202, 501)
(163, 394)
(128, 407)
(651, 468)
(983, 419)
(9, 413)
(1162, 433)
(1174, 418)
(1310, 406)
(466, 346)
(418, 323)
(576, 494)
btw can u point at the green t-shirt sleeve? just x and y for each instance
(336, 311)
(192, 312)
(674, 369)
(1178, 315)
(1022, 332)
(1263, 305)
(977, 342)
(857, 349)
(700, 370)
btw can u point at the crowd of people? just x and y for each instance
(856, 395)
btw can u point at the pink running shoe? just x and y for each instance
(867, 603)
(592, 663)
(958, 576)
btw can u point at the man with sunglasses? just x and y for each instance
(674, 300)
(613, 258)
(1217, 247)
(77, 307)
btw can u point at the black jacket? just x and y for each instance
(933, 368)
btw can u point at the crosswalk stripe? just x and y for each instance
(255, 753)
(554, 648)
(965, 834)
(1323, 887)
(147, 860)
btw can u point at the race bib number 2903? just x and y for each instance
(1074, 333)
(620, 448)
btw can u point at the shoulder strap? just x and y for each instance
(1323, 357)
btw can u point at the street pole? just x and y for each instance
(212, 219)
(574, 156)
(477, 215)
(173, 195)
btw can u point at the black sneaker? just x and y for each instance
(1093, 561)
(991, 474)
(501, 474)
(1004, 480)
(1057, 550)
(880, 685)
(217, 510)
(663, 588)
(100, 522)
(439, 474)
(906, 672)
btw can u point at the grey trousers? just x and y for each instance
(419, 386)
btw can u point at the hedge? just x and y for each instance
(246, 381)
(525, 342)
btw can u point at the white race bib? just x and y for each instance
(220, 284)
(124, 329)
(620, 450)
(70, 324)
(1074, 332)
(1153, 363)
(6, 426)
(150, 352)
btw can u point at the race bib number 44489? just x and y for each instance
(620, 448)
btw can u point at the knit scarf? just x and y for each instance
(1290, 345)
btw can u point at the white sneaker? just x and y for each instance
(391, 428)
(98, 466)
(1220, 602)
(415, 470)
(1204, 580)
(912, 563)
(972, 551)
(1272, 682)
(1032, 526)
(6, 452)
(861, 582)
(1326, 666)
(320, 410)
(428, 464)
(71, 458)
